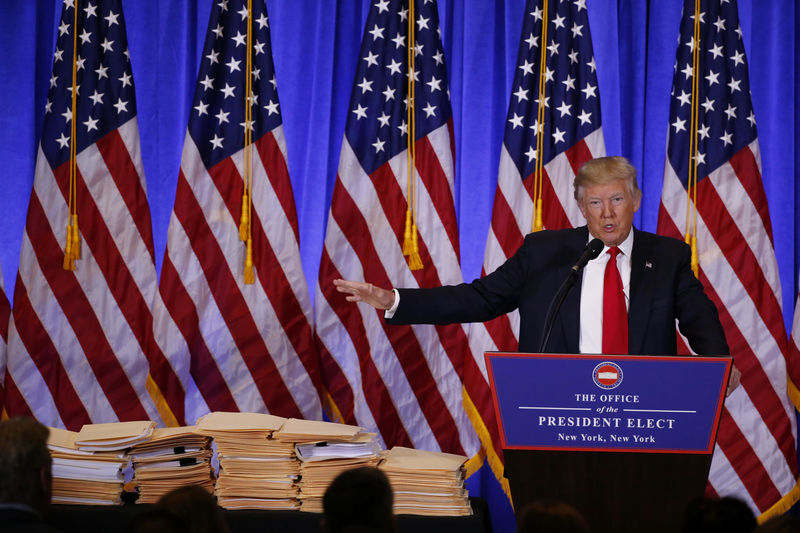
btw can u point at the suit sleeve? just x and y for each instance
(698, 319)
(484, 299)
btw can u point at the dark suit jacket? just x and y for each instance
(662, 289)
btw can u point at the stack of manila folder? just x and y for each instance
(256, 470)
(266, 462)
(170, 459)
(87, 465)
(426, 483)
(325, 450)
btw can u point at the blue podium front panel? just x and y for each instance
(608, 403)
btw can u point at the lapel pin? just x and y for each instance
(648, 264)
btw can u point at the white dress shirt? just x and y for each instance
(591, 318)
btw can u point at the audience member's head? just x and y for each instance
(726, 515)
(196, 507)
(358, 500)
(25, 463)
(551, 516)
(157, 521)
(785, 523)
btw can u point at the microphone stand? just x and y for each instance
(592, 250)
(557, 301)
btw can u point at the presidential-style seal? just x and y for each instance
(607, 375)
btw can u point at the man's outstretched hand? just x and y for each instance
(358, 291)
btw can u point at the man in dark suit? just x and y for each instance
(653, 281)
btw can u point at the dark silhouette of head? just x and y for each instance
(157, 521)
(551, 516)
(358, 500)
(25, 463)
(728, 515)
(196, 507)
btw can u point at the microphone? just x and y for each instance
(591, 251)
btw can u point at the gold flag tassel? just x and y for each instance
(69, 261)
(410, 238)
(249, 275)
(414, 260)
(72, 246)
(408, 245)
(246, 220)
(76, 238)
(691, 189)
(538, 177)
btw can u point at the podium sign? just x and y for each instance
(608, 403)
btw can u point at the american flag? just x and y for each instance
(794, 355)
(238, 346)
(571, 135)
(403, 382)
(5, 316)
(80, 345)
(755, 458)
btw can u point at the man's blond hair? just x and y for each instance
(605, 170)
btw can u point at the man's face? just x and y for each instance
(609, 210)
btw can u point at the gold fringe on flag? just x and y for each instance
(410, 241)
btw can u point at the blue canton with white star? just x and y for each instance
(377, 125)
(105, 98)
(572, 98)
(216, 120)
(726, 122)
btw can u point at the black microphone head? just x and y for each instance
(595, 246)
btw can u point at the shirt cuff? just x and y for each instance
(389, 313)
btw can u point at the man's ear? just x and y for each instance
(637, 200)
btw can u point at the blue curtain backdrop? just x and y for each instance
(316, 44)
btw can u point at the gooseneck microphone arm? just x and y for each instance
(591, 251)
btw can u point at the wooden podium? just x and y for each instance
(626, 440)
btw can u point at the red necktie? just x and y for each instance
(615, 314)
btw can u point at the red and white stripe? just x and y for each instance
(80, 345)
(238, 347)
(755, 459)
(401, 381)
(512, 219)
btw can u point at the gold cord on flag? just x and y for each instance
(538, 175)
(246, 221)
(72, 249)
(410, 239)
(691, 187)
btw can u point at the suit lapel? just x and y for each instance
(643, 267)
